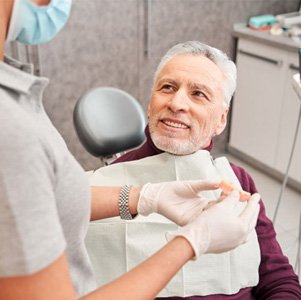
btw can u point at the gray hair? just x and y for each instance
(196, 48)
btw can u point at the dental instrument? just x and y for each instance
(297, 88)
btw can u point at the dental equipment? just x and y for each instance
(108, 121)
(297, 88)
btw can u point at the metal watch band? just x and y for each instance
(123, 203)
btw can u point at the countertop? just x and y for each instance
(279, 41)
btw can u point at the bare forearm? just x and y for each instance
(104, 201)
(143, 282)
(149, 278)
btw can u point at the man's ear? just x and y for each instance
(222, 122)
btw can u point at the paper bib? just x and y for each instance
(115, 246)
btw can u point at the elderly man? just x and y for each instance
(190, 99)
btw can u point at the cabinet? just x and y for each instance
(265, 108)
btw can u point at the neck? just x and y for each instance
(2, 35)
(5, 13)
(1, 54)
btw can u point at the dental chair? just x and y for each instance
(108, 121)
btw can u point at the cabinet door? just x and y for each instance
(289, 116)
(258, 101)
(98, 47)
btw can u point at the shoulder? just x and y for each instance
(131, 155)
(20, 142)
(143, 151)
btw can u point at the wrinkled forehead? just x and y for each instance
(192, 68)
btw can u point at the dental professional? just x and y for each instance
(45, 202)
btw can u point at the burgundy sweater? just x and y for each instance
(277, 279)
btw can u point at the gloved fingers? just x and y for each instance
(213, 202)
(222, 196)
(250, 214)
(244, 196)
(255, 218)
(251, 223)
(200, 185)
(230, 201)
(196, 207)
(227, 187)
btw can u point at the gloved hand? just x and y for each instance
(178, 201)
(218, 228)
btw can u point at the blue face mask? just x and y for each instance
(32, 24)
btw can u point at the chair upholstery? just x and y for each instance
(108, 121)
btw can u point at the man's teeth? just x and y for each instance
(176, 125)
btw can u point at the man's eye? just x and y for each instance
(167, 87)
(200, 94)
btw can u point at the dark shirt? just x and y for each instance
(277, 279)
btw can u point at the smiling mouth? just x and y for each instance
(175, 124)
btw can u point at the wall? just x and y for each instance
(81, 57)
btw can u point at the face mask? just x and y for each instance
(32, 24)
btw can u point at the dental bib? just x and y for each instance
(115, 246)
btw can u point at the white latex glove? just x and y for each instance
(178, 201)
(219, 229)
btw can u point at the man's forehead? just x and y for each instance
(189, 65)
(195, 71)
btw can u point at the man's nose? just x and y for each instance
(179, 101)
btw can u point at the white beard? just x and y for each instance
(172, 146)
